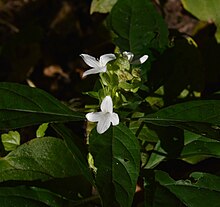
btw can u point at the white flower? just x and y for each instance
(130, 56)
(98, 66)
(105, 117)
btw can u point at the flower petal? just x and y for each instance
(89, 60)
(104, 123)
(141, 60)
(107, 105)
(128, 55)
(94, 116)
(104, 59)
(94, 71)
(114, 119)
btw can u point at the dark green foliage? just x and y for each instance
(164, 152)
(116, 155)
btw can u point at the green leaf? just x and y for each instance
(11, 140)
(70, 140)
(205, 11)
(31, 196)
(206, 180)
(23, 106)
(20, 202)
(93, 94)
(138, 26)
(163, 197)
(198, 148)
(143, 133)
(207, 111)
(102, 6)
(209, 148)
(172, 140)
(41, 158)
(201, 117)
(201, 193)
(155, 194)
(41, 130)
(155, 159)
(117, 158)
(191, 137)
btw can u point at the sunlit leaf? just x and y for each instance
(205, 11)
(41, 130)
(23, 106)
(117, 158)
(102, 6)
(11, 140)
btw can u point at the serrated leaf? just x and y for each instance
(102, 6)
(117, 158)
(138, 26)
(193, 194)
(11, 140)
(41, 158)
(205, 11)
(21, 106)
(41, 130)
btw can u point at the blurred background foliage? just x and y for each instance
(40, 43)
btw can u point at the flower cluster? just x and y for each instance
(106, 116)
